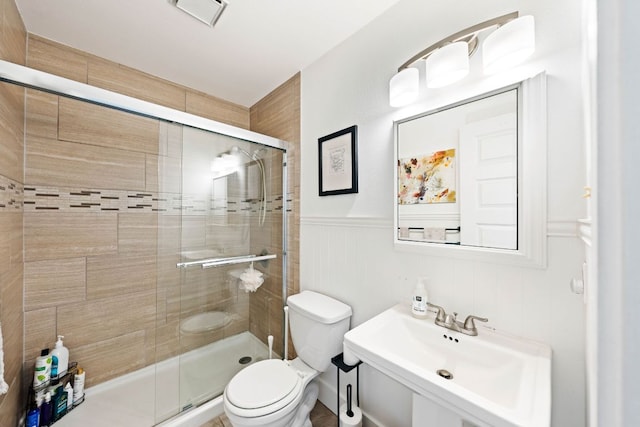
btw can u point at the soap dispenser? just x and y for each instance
(419, 300)
(62, 354)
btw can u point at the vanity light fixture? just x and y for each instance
(509, 45)
(404, 87)
(447, 61)
(206, 11)
(448, 64)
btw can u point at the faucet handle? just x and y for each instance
(450, 319)
(469, 323)
(441, 313)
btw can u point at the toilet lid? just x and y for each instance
(269, 384)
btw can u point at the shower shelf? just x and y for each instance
(218, 262)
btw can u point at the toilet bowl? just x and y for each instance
(272, 393)
(281, 393)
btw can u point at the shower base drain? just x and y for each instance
(244, 360)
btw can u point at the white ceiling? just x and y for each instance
(254, 47)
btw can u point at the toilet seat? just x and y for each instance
(263, 388)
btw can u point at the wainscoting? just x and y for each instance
(355, 261)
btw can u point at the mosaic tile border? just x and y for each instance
(11, 195)
(47, 199)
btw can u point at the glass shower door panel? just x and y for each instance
(231, 200)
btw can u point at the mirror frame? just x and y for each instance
(532, 184)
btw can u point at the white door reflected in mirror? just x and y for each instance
(489, 182)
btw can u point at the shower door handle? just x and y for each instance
(216, 262)
(236, 260)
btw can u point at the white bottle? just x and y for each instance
(419, 300)
(62, 353)
(78, 387)
(42, 371)
(69, 390)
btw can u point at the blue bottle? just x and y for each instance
(54, 367)
(33, 417)
(46, 411)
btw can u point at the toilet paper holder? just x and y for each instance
(338, 361)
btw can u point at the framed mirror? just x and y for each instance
(471, 177)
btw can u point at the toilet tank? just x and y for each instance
(318, 324)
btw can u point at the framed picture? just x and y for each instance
(338, 162)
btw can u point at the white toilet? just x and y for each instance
(277, 393)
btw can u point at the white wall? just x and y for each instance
(618, 209)
(347, 241)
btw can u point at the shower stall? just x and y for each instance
(190, 285)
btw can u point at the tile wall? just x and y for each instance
(12, 48)
(278, 115)
(91, 220)
(100, 222)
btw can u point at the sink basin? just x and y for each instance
(497, 379)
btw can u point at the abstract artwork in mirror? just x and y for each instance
(457, 173)
(427, 178)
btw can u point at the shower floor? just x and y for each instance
(150, 395)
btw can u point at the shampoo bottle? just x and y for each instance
(59, 400)
(33, 416)
(419, 301)
(46, 411)
(61, 353)
(78, 387)
(42, 372)
(69, 390)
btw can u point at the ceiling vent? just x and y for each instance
(207, 11)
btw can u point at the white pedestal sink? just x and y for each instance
(497, 379)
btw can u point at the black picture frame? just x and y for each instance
(338, 162)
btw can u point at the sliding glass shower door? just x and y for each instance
(225, 234)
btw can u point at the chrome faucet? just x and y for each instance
(450, 321)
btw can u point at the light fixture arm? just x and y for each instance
(469, 35)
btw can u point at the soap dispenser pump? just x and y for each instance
(419, 300)
(62, 354)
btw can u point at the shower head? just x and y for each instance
(229, 162)
(253, 156)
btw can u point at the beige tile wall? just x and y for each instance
(89, 274)
(12, 48)
(47, 55)
(278, 115)
(93, 125)
(76, 272)
(101, 232)
(90, 256)
(101, 269)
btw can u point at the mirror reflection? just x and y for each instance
(457, 173)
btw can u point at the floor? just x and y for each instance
(321, 416)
